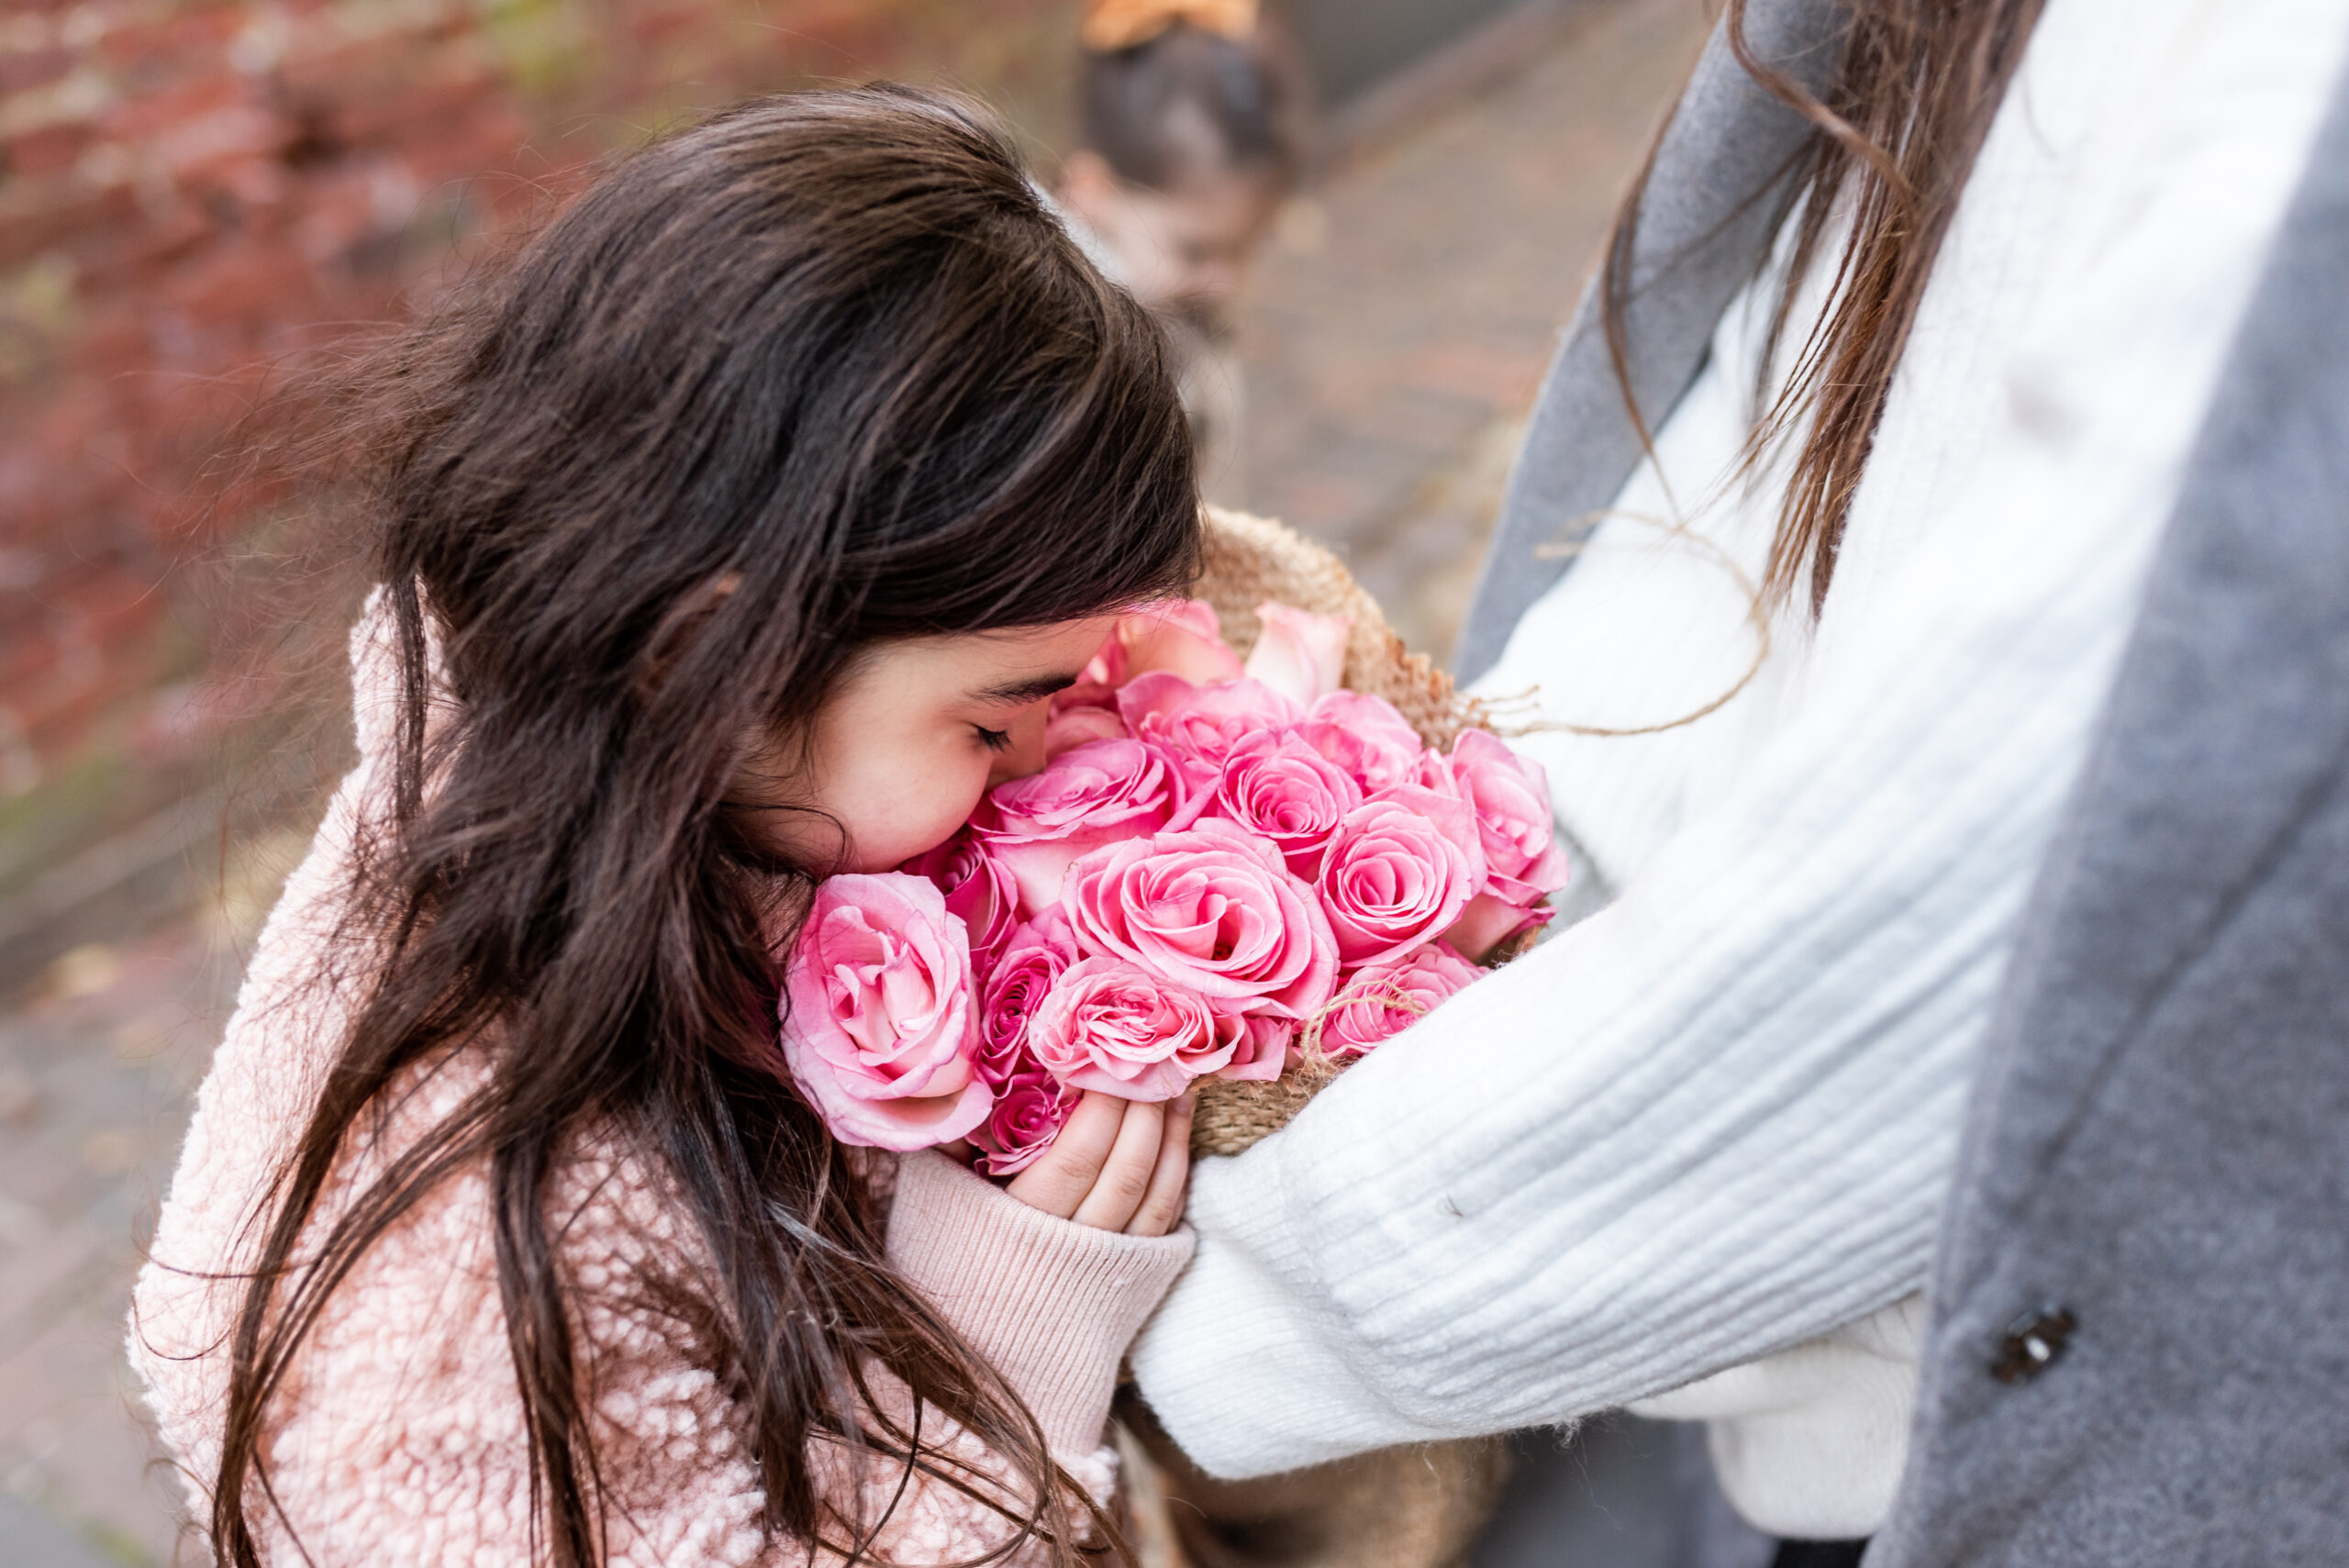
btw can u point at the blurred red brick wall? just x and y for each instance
(191, 190)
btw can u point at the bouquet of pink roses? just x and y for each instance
(1225, 870)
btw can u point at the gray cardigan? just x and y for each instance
(2137, 1353)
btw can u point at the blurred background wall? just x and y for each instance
(196, 196)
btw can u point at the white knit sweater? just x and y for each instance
(1718, 1118)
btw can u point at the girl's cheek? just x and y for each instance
(917, 809)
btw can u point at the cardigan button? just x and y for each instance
(2032, 1341)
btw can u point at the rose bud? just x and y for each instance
(979, 893)
(1278, 787)
(1367, 738)
(1195, 726)
(1513, 819)
(1179, 636)
(1033, 960)
(1029, 1114)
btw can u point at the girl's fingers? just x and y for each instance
(1064, 1174)
(1161, 1205)
(1125, 1176)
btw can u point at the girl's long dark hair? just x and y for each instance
(1894, 136)
(818, 373)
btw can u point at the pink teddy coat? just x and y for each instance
(400, 1439)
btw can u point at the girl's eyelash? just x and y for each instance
(993, 740)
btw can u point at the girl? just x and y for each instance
(734, 534)
(1192, 124)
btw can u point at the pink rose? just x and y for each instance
(1096, 684)
(1073, 725)
(979, 893)
(1179, 636)
(1491, 922)
(1088, 795)
(1196, 726)
(1021, 979)
(1275, 786)
(1261, 1051)
(1114, 1026)
(1514, 829)
(1513, 821)
(1029, 1114)
(878, 1032)
(1298, 654)
(1400, 868)
(1213, 909)
(1385, 999)
(1367, 738)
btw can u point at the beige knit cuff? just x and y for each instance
(1053, 1305)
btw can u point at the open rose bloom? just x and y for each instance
(1226, 869)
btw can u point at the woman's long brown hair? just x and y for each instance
(817, 374)
(1895, 136)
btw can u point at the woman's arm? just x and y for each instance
(1713, 1120)
(1720, 1117)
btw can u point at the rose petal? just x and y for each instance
(1179, 636)
(1487, 922)
(1298, 654)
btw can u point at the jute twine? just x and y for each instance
(1249, 560)
(1419, 1507)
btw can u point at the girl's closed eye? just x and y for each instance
(911, 739)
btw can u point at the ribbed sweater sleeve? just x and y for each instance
(1051, 1303)
(1719, 1117)
(1710, 1121)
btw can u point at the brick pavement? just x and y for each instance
(95, 1076)
(1392, 343)
(1388, 367)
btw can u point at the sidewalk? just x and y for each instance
(1393, 348)
(1395, 339)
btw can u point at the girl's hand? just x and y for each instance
(1117, 1165)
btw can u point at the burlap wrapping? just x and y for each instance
(1249, 560)
(1419, 1507)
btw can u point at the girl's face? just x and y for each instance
(916, 732)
